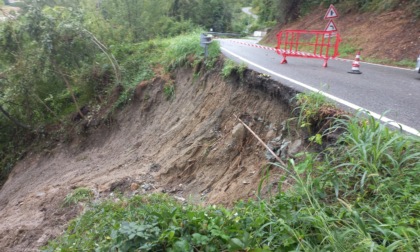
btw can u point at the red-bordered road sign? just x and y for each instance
(331, 13)
(331, 26)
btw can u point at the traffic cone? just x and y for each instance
(356, 65)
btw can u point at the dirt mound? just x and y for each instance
(190, 145)
(386, 36)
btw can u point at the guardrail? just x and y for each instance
(224, 34)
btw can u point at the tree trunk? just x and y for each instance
(69, 88)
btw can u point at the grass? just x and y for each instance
(138, 61)
(347, 50)
(78, 195)
(359, 194)
(230, 67)
(169, 91)
(314, 113)
(408, 63)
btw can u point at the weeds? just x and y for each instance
(361, 194)
(346, 50)
(230, 67)
(138, 61)
(169, 91)
(309, 107)
(402, 63)
(186, 49)
(78, 195)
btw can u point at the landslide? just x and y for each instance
(189, 144)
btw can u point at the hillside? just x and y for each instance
(390, 37)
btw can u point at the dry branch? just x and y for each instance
(262, 142)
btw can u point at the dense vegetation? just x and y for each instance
(361, 194)
(59, 59)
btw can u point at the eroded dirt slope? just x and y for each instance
(191, 146)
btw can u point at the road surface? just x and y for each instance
(247, 10)
(388, 93)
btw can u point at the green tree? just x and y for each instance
(47, 53)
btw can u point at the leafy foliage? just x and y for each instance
(58, 57)
(78, 195)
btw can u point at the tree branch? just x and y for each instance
(15, 121)
(110, 57)
(69, 88)
(262, 142)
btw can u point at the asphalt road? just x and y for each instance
(390, 94)
(247, 10)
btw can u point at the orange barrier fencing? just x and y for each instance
(308, 44)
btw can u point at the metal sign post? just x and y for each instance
(204, 42)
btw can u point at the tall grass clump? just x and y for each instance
(186, 49)
(230, 67)
(315, 113)
(362, 193)
(138, 62)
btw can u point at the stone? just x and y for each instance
(295, 147)
(270, 134)
(283, 149)
(134, 186)
(146, 187)
(238, 133)
(275, 145)
(180, 198)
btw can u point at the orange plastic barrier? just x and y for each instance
(308, 44)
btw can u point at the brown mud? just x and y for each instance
(191, 146)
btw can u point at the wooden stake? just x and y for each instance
(262, 142)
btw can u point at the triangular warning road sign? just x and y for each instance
(331, 13)
(331, 26)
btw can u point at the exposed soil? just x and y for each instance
(191, 146)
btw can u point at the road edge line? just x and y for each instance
(331, 97)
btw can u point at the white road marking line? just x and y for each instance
(332, 97)
(374, 64)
